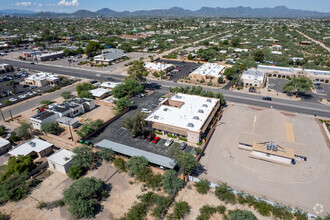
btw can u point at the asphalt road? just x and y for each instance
(248, 99)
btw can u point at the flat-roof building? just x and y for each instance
(157, 67)
(4, 146)
(42, 79)
(279, 71)
(51, 56)
(100, 93)
(35, 148)
(184, 115)
(61, 160)
(253, 77)
(208, 72)
(39, 119)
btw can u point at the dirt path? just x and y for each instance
(318, 42)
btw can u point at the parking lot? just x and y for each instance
(279, 83)
(115, 132)
(185, 68)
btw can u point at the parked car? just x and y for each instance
(161, 99)
(183, 145)
(140, 95)
(32, 63)
(267, 98)
(151, 136)
(29, 93)
(252, 90)
(155, 140)
(178, 69)
(21, 96)
(33, 87)
(12, 99)
(168, 142)
(98, 75)
(111, 79)
(145, 110)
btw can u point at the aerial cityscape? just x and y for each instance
(138, 110)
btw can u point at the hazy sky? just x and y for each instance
(133, 5)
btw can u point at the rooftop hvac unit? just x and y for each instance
(191, 125)
(204, 105)
(178, 96)
(66, 158)
(208, 100)
(156, 117)
(196, 117)
(32, 144)
(165, 109)
(200, 111)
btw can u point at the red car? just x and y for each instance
(178, 69)
(155, 140)
(151, 136)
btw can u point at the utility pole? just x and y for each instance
(71, 133)
(2, 115)
(11, 116)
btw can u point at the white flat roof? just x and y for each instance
(157, 66)
(253, 74)
(109, 85)
(36, 145)
(3, 142)
(211, 69)
(61, 157)
(191, 115)
(42, 76)
(99, 92)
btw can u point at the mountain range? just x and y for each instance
(247, 12)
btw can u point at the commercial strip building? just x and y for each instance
(60, 161)
(184, 115)
(69, 109)
(158, 67)
(208, 72)
(42, 79)
(127, 152)
(51, 56)
(109, 55)
(35, 148)
(284, 72)
(31, 53)
(253, 77)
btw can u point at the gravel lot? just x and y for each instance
(302, 185)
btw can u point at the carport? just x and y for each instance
(127, 151)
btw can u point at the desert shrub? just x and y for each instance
(263, 208)
(120, 164)
(202, 186)
(206, 212)
(221, 209)
(75, 172)
(300, 215)
(180, 210)
(106, 154)
(242, 215)
(225, 193)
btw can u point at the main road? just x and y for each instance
(248, 99)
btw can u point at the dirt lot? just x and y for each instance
(302, 185)
(197, 200)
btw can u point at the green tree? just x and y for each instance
(171, 182)
(83, 157)
(235, 42)
(136, 124)
(85, 94)
(224, 193)
(51, 128)
(120, 164)
(258, 56)
(66, 94)
(186, 161)
(19, 165)
(123, 103)
(133, 86)
(23, 131)
(136, 163)
(92, 48)
(106, 154)
(202, 186)
(2, 130)
(83, 195)
(89, 127)
(220, 80)
(138, 72)
(84, 87)
(15, 41)
(242, 215)
(14, 188)
(190, 57)
(180, 210)
(75, 172)
(301, 84)
(230, 72)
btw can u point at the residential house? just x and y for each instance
(35, 148)
(61, 161)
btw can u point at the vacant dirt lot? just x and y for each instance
(302, 185)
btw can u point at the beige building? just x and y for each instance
(253, 77)
(208, 72)
(184, 115)
(42, 79)
(285, 72)
(158, 67)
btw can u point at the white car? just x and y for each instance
(0, 103)
(145, 110)
(168, 142)
(21, 96)
(98, 75)
(29, 93)
(12, 99)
